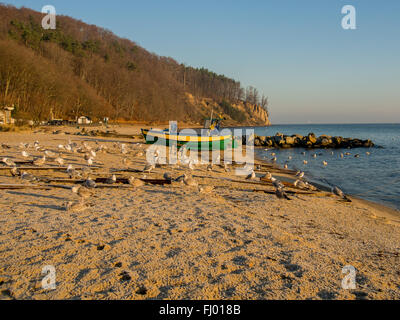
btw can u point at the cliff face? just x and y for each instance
(240, 113)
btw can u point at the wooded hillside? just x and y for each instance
(83, 69)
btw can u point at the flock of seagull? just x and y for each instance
(89, 154)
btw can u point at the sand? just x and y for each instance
(173, 242)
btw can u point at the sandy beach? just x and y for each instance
(175, 242)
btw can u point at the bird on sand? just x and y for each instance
(40, 161)
(251, 176)
(59, 161)
(89, 183)
(137, 183)
(9, 162)
(268, 176)
(281, 194)
(336, 191)
(300, 184)
(167, 176)
(15, 172)
(126, 162)
(210, 167)
(82, 192)
(300, 174)
(49, 153)
(75, 206)
(90, 161)
(206, 189)
(148, 168)
(111, 180)
(25, 154)
(277, 184)
(28, 177)
(190, 182)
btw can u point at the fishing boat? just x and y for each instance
(191, 141)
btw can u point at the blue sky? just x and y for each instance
(293, 51)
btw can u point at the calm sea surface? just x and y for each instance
(375, 177)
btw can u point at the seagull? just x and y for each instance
(25, 154)
(305, 162)
(86, 172)
(167, 176)
(277, 184)
(40, 161)
(325, 163)
(76, 207)
(300, 174)
(357, 156)
(68, 148)
(111, 180)
(290, 158)
(285, 166)
(9, 162)
(82, 192)
(281, 194)
(251, 176)
(210, 167)
(61, 147)
(368, 153)
(340, 193)
(15, 172)
(342, 155)
(189, 181)
(310, 186)
(28, 176)
(90, 162)
(300, 184)
(127, 162)
(49, 153)
(181, 178)
(314, 155)
(136, 182)
(274, 159)
(191, 165)
(59, 160)
(206, 189)
(148, 168)
(273, 154)
(89, 183)
(268, 176)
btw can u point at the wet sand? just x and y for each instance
(174, 242)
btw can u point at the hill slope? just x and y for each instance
(83, 69)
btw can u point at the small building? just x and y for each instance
(84, 120)
(5, 115)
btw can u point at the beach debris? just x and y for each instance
(336, 191)
(50, 154)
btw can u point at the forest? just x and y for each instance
(80, 69)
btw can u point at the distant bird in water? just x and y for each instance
(325, 163)
(336, 191)
(342, 155)
(274, 159)
(305, 162)
(314, 155)
(368, 153)
(357, 156)
(290, 158)
(285, 166)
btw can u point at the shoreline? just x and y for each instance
(235, 241)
